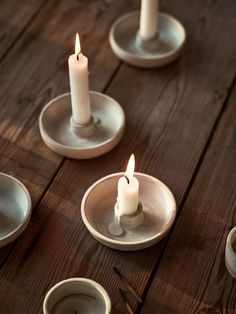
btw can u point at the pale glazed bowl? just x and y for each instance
(230, 253)
(15, 208)
(77, 295)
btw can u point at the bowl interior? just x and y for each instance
(107, 113)
(14, 205)
(158, 206)
(76, 296)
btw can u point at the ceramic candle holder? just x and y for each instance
(158, 51)
(15, 208)
(65, 137)
(158, 210)
(77, 296)
(230, 253)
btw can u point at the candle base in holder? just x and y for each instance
(160, 50)
(61, 134)
(128, 221)
(83, 130)
(157, 213)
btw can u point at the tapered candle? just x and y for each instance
(79, 86)
(128, 191)
(148, 19)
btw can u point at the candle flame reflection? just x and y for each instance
(130, 167)
(77, 45)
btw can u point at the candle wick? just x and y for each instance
(127, 179)
(77, 57)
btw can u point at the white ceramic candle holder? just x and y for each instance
(65, 137)
(77, 295)
(15, 208)
(230, 253)
(158, 208)
(165, 47)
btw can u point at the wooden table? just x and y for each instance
(181, 125)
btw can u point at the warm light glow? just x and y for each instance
(130, 168)
(77, 45)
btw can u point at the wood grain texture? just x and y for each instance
(192, 277)
(14, 20)
(36, 70)
(170, 115)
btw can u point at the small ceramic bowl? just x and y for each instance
(230, 253)
(77, 295)
(15, 208)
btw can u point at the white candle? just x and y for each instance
(148, 19)
(128, 191)
(79, 87)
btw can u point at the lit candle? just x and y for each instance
(148, 19)
(79, 87)
(128, 191)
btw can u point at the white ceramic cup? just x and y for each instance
(230, 253)
(77, 295)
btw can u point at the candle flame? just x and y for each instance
(77, 45)
(130, 167)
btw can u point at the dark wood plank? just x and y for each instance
(170, 115)
(192, 277)
(35, 71)
(14, 19)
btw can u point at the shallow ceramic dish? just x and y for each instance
(77, 295)
(159, 209)
(15, 208)
(163, 49)
(57, 132)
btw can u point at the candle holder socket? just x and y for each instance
(83, 130)
(67, 138)
(148, 226)
(130, 221)
(160, 50)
